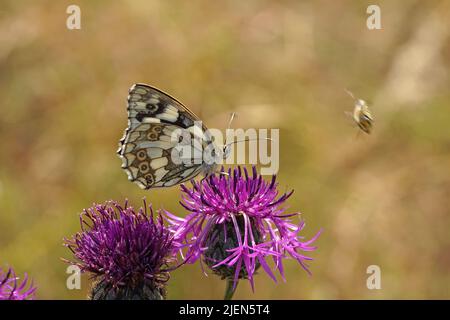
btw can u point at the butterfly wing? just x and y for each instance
(146, 149)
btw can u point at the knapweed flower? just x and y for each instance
(128, 252)
(13, 289)
(236, 223)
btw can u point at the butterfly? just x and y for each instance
(157, 125)
(361, 114)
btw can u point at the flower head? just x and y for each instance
(127, 251)
(236, 222)
(12, 289)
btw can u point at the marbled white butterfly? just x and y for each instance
(147, 146)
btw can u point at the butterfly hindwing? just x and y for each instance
(148, 147)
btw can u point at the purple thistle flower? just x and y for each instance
(12, 289)
(236, 222)
(128, 252)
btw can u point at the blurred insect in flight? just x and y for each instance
(361, 114)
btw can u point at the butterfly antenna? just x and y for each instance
(350, 94)
(233, 115)
(246, 140)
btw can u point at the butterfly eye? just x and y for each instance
(226, 151)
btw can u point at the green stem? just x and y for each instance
(229, 291)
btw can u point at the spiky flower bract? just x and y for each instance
(11, 288)
(128, 252)
(236, 223)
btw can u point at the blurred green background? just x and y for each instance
(382, 199)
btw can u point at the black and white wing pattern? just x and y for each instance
(154, 118)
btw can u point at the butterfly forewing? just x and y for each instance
(157, 124)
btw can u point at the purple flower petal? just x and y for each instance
(12, 289)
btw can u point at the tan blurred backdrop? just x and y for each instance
(381, 200)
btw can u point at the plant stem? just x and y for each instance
(229, 290)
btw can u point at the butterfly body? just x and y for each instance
(362, 116)
(158, 125)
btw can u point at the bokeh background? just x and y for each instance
(382, 199)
